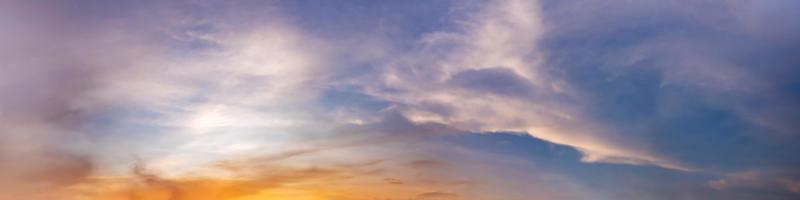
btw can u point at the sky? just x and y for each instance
(399, 100)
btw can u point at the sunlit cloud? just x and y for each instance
(490, 76)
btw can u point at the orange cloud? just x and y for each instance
(252, 179)
(437, 195)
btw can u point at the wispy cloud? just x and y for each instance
(489, 75)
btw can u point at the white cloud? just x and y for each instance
(502, 37)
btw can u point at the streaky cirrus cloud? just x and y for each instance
(490, 75)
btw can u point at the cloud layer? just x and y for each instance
(398, 100)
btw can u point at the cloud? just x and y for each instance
(265, 104)
(764, 180)
(42, 110)
(148, 185)
(489, 75)
(426, 164)
(81, 94)
(187, 88)
(694, 82)
(393, 181)
(255, 178)
(437, 195)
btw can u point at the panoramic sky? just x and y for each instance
(399, 100)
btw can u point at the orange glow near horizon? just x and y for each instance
(132, 188)
(257, 182)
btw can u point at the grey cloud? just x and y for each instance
(427, 164)
(393, 181)
(43, 84)
(437, 195)
(493, 80)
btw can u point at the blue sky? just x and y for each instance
(312, 99)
